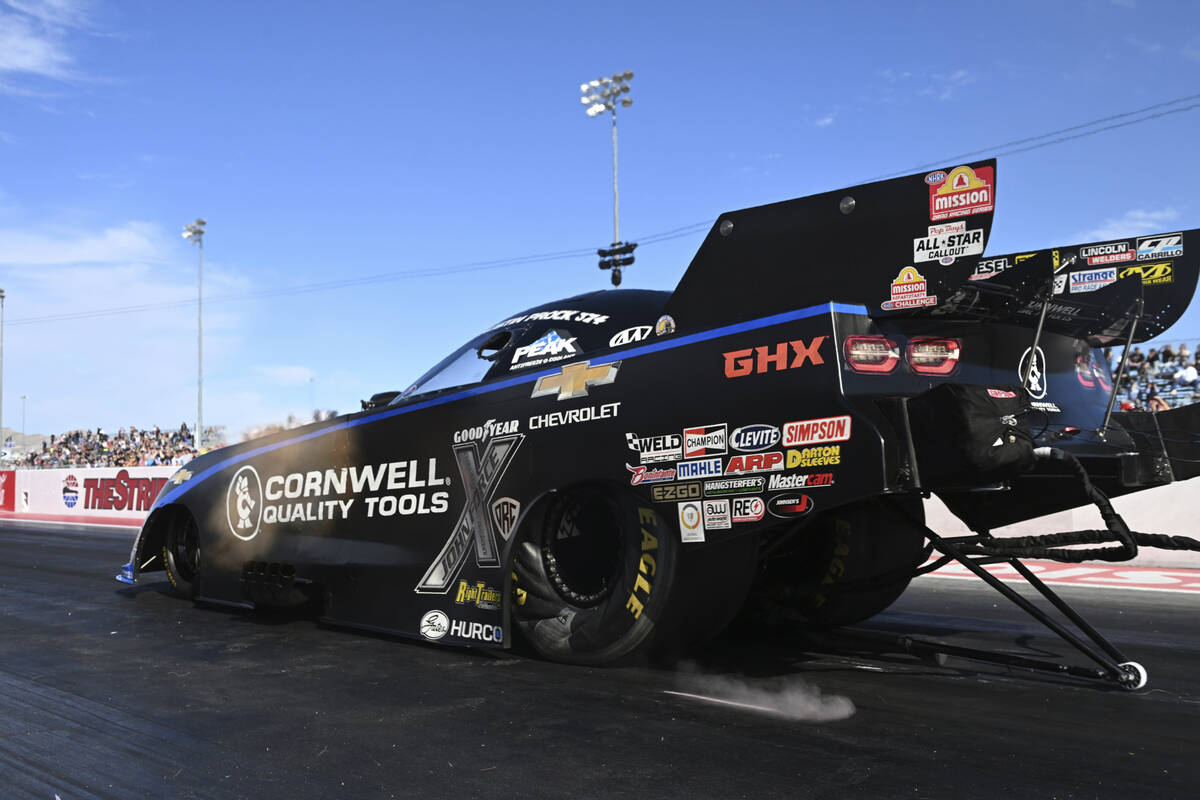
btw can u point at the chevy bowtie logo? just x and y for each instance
(573, 380)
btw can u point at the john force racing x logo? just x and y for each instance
(243, 503)
(480, 477)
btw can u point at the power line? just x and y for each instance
(674, 233)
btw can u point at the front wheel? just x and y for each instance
(181, 555)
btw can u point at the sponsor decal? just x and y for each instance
(816, 431)
(960, 193)
(505, 513)
(728, 486)
(1092, 279)
(646, 475)
(778, 357)
(477, 630)
(1036, 384)
(478, 594)
(665, 325)
(1152, 274)
(434, 625)
(752, 438)
(691, 522)
(988, 267)
(180, 477)
(803, 481)
(555, 419)
(1045, 406)
(70, 491)
(653, 449)
(558, 315)
(553, 345)
(1060, 286)
(316, 495)
(790, 506)
(481, 473)
(706, 440)
(829, 456)
(1167, 245)
(481, 433)
(630, 335)
(1110, 253)
(706, 468)
(122, 493)
(573, 380)
(909, 291)
(646, 564)
(716, 515)
(1001, 394)
(747, 509)
(947, 242)
(675, 491)
(755, 462)
(244, 503)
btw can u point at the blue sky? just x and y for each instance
(330, 142)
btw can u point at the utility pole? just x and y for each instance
(194, 232)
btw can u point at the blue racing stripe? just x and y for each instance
(529, 377)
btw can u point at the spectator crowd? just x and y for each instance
(1160, 379)
(147, 447)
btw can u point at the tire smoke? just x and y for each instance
(788, 696)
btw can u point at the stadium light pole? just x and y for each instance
(194, 232)
(600, 95)
(24, 397)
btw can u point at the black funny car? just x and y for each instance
(625, 472)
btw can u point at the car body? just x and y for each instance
(618, 471)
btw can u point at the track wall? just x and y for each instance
(94, 496)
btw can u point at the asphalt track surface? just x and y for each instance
(119, 692)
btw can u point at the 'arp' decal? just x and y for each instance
(480, 476)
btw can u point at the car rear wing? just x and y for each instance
(914, 247)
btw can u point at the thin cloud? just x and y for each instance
(33, 41)
(1134, 222)
(826, 121)
(281, 375)
(946, 84)
(136, 242)
(1150, 48)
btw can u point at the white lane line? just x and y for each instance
(719, 701)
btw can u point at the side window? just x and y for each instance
(465, 366)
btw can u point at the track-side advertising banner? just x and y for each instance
(115, 495)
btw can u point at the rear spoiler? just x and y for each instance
(848, 246)
(1096, 290)
(913, 247)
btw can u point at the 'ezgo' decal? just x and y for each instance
(480, 476)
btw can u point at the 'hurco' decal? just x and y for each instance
(480, 477)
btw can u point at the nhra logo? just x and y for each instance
(70, 491)
(752, 438)
(1152, 274)
(960, 193)
(708, 440)
(244, 503)
(1168, 245)
(553, 346)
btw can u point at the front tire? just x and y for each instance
(181, 555)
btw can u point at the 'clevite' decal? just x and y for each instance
(480, 476)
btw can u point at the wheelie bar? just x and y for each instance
(1113, 664)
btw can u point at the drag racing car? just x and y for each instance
(623, 473)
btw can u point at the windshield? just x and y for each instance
(466, 365)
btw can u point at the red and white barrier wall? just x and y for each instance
(84, 495)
